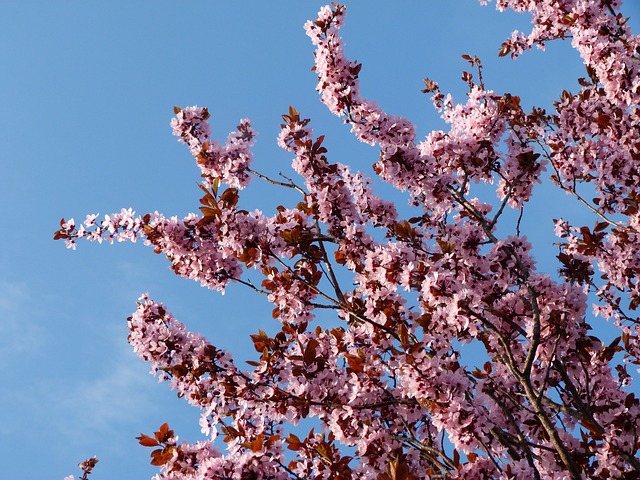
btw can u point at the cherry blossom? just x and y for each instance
(388, 385)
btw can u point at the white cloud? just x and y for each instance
(115, 396)
(19, 333)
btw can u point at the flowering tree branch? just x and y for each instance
(387, 381)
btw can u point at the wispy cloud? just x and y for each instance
(19, 332)
(21, 341)
(115, 396)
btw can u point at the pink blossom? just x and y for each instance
(388, 376)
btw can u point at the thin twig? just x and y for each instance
(290, 184)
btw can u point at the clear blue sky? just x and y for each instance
(86, 96)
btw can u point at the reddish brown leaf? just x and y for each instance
(147, 441)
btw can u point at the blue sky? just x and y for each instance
(86, 94)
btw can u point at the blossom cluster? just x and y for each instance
(230, 161)
(388, 382)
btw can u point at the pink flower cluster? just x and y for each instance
(227, 162)
(390, 379)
